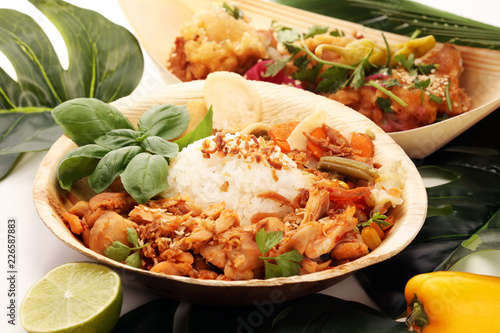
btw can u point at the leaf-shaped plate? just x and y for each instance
(279, 104)
(157, 23)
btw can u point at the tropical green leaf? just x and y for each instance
(469, 199)
(404, 17)
(105, 62)
(310, 314)
(154, 316)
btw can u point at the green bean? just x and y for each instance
(348, 167)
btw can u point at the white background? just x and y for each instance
(38, 250)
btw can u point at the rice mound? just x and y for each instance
(202, 177)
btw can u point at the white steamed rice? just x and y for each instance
(202, 178)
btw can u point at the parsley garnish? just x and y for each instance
(287, 264)
(233, 11)
(121, 252)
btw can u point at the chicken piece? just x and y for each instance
(333, 229)
(236, 253)
(226, 220)
(107, 229)
(80, 208)
(310, 266)
(350, 247)
(110, 201)
(75, 224)
(319, 237)
(180, 265)
(317, 205)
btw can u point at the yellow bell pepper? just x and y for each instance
(453, 302)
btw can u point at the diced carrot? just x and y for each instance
(281, 132)
(377, 228)
(390, 220)
(363, 145)
(320, 134)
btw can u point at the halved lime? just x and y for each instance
(74, 297)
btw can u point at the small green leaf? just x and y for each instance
(274, 67)
(333, 79)
(160, 146)
(289, 263)
(202, 130)
(134, 260)
(166, 121)
(117, 251)
(79, 163)
(385, 104)
(132, 236)
(119, 138)
(111, 166)
(86, 119)
(267, 240)
(272, 270)
(145, 176)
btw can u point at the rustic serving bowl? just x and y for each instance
(280, 104)
(157, 22)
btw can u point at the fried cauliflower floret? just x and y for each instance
(216, 41)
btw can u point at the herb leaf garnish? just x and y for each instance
(287, 264)
(111, 147)
(121, 252)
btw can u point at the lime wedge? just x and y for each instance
(74, 297)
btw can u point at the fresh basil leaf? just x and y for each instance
(202, 130)
(132, 236)
(79, 163)
(134, 260)
(28, 132)
(110, 166)
(117, 251)
(267, 240)
(166, 121)
(119, 138)
(96, 68)
(145, 176)
(160, 146)
(86, 119)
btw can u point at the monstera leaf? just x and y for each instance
(105, 62)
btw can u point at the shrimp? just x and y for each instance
(107, 229)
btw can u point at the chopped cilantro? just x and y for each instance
(385, 104)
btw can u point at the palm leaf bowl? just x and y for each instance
(157, 22)
(279, 104)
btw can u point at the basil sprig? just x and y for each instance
(110, 146)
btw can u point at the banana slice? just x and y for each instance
(235, 102)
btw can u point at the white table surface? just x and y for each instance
(38, 250)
